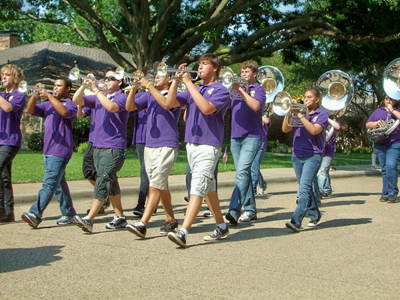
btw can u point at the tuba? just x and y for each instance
(391, 86)
(283, 104)
(271, 79)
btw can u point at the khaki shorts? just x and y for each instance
(159, 162)
(202, 160)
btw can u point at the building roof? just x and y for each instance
(45, 61)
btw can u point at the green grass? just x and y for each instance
(28, 165)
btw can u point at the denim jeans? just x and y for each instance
(389, 157)
(144, 180)
(256, 175)
(7, 154)
(306, 169)
(324, 180)
(54, 183)
(244, 151)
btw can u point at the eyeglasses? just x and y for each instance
(110, 78)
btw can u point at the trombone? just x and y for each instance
(75, 74)
(23, 87)
(163, 70)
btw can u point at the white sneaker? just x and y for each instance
(247, 217)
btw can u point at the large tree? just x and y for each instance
(235, 30)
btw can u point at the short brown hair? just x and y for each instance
(16, 72)
(213, 59)
(251, 64)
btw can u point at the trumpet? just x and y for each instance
(2, 83)
(283, 104)
(75, 74)
(228, 78)
(163, 70)
(23, 87)
(130, 77)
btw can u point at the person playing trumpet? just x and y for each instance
(12, 103)
(388, 149)
(308, 148)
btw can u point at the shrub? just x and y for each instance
(82, 147)
(35, 141)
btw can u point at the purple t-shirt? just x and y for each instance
(10, 122)
(110, 128)
(330, 145)
(206, 129)
(306, 144)
(162, 125)
(58, 139)
(139, 129)
(244, 118)
(381, 114)
(90, 112)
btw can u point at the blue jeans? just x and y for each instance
(54, 183)
(389, 157)
(256, 175)
(306, 169)
(7, 154)
(244, 151)
(144, 180)
(324, 180)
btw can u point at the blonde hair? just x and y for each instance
(16, 72)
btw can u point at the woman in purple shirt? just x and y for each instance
(308, 148)
(12, 103)
(388, 149)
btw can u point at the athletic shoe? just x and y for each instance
(383, 199)
(178, 238)
(217, 234)
(169, 226)
(261, 191)
(137, 228)
(313, 223)
(31, 219)
(117, 222)
(65, 220)
(208, 214)
(247, 217)
(294, 227)
(186, 198)
(231, 218)
(138, 210)
(84, 223)
(393, 199)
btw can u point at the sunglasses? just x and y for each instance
(110, 78)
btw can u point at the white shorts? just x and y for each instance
(159, 162)
(202, 161)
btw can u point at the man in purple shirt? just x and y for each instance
(206, 106)
(12, 103)
(160, 153)
(246, 138)
(59, 114)
(109, 142)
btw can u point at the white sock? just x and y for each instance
(373, 156)
(222, 226)
(184, 231)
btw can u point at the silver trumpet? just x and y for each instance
(163, 70)
(228, 78)
(23, 87)
(131, 78)
(283, 104)
(75, 74)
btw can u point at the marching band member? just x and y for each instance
(161, 150)
(246, 138)
(109, 144)
(388, 149)
(12, 103)
(59, 114)
(308, 148)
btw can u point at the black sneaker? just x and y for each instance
(169, 226)
(31, 219)
(178, 238)
(217, 234)
(137, 228)
(292, 226)
(138, 210)
(231, 219)
(383, 199)
(86, 224)
(117, 222)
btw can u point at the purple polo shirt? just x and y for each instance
(90, 112)
(206, 129)
(162, 128)
(265, 134)
(330, 145)
(110, 128)
(10, 122)
(244, 118)
(381, 114)
(139, 129)
(58, 139)
(305, 144)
